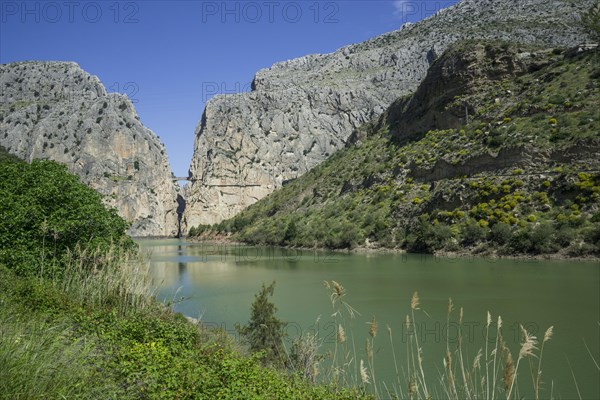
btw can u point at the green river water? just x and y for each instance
(218, 283)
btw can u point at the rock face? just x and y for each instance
(439, 101)
(57, 111)
(301, 111)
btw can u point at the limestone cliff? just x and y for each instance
(56, 110)
(301, 111)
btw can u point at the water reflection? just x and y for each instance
(195, 260)
(219, 283)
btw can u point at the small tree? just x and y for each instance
(591, 21)
(265, 332)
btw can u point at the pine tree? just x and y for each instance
(265, 332)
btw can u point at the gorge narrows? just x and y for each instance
(180, 210)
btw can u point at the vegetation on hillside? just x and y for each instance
(591, 21)
(77, 316)
(438, 192)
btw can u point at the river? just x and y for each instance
(217, 283)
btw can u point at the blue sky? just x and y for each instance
(170, 57)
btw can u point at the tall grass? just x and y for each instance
(345, 368)
(42, 357)
(42, 360)
(117, 276)
(491, 374)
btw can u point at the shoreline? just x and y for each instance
(224, 240)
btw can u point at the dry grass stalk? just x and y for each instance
(393, 353)
(414, 305)
(414, 302)
(538, 381)
(364, 377)
(496, 349)
(373, 327)
(412, 388)
(527, 350)
(460, 356)
(477, 360)
(509, 370)
(369, 349)
(341, 334)
(452, 392)
(337, 294)
(451, 384)
(528, 345)
(487, 369)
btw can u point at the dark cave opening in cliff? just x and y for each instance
(180, 210)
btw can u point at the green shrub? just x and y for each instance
(521, 242)
(542, 238)
(564, 236)
(265, 332)
(472, 233)
(500, 233)
(427, 238)
(592, 235)
(45, 213)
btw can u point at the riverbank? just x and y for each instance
(224, 239)
(216, 278)
(70, 341)
(79, 317)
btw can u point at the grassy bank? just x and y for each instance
(77, 313)
(102, 338)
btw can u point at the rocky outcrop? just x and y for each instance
(440, 100)
(57, 111)
(301, 111)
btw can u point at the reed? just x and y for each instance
(492, 374)
(41, 360)
(117, 276)
(344, 369)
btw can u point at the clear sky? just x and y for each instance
(169, 57)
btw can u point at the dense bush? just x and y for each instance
(424, 237)
(51, 347)
(472, 233)
(500, 233)
(46, 212)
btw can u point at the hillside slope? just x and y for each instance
(301, 111)
(57, 111)
(521, 177)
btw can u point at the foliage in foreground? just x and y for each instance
(77, 316)
(56, 342)
(430, 194)
(264, 331)
(491, 373)
(45, 212)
